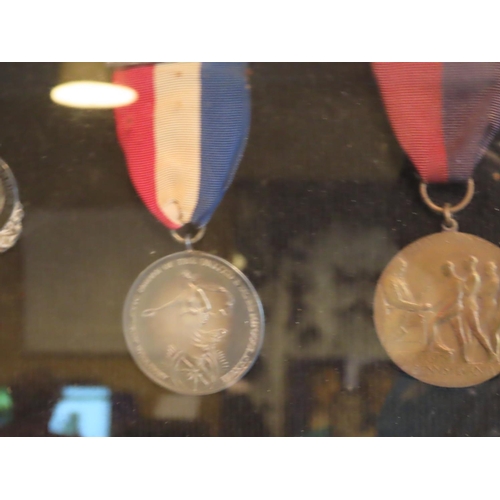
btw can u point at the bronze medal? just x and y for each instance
(436, 304)
(436, 309)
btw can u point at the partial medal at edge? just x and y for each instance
(436, 309)
(11, 210)
(193, 323)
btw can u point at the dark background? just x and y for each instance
(323, 199)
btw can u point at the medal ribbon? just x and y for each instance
(184, 136)
(444, 114)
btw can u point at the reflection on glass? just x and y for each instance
(6, 406)
(89, 85)
(93, 95)
(82, 411)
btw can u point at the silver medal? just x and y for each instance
(193, 323)
(11, 210)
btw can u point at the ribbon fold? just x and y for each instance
(185, 135)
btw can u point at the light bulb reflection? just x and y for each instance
(93, 95)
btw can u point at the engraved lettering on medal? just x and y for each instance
(148, 280)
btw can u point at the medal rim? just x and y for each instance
(11, 212)
(378, 291)
(233, 268)
(11, 193)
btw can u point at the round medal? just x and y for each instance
(193, 323)
(436, 309)
(11, 210)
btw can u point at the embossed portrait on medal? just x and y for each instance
(198, 320)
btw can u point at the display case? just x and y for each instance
(323, 199)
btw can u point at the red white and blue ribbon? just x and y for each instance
(444, 114)
(184, 136)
